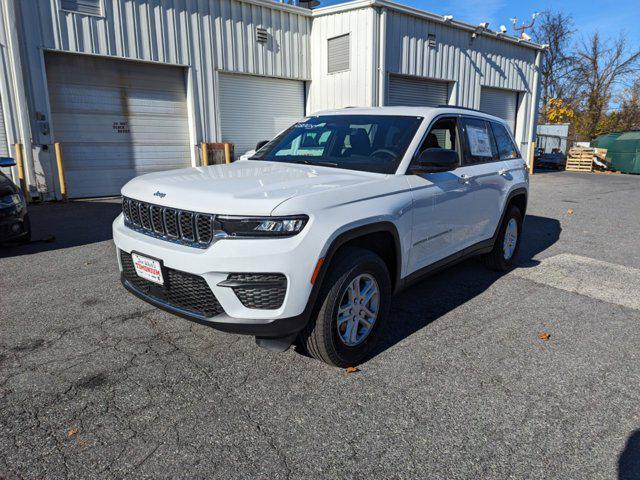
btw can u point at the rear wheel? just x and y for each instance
(354, 303)
(505, 250)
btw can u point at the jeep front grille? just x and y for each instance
(180, 226)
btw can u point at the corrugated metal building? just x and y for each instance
(133, 86)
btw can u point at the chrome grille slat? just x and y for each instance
(145, 216)
(126, 208)
(171, 222)
(135, 212)
(157, 219)
(185, 223)
(204, 228)
(179, 226)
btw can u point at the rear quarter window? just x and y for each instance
(506, 148)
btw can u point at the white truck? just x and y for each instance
(308, 240)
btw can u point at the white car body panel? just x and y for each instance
(435, 215)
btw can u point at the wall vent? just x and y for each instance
(86, 7)
(338, 53)
(431, 40)
(261, 35)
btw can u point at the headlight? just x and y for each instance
(10, 200)
(261, 226)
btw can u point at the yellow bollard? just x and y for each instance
(227, 153)
(205, 154)
(532, 157)
(20, 163)
(63, 183)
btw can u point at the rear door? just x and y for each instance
(515, 170)
(485, 174)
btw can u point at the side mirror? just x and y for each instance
(7, 162)
(433, 160)
(261, 144)
(246, 155)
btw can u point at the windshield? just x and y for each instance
(371, 143)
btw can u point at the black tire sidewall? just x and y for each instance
(347, 356)
(514, 212)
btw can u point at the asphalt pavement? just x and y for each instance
(534, 374)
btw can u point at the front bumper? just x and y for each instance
(287, 256)
(14, 223)
(277, 328)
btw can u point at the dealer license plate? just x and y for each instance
(148, 268)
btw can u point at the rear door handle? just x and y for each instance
(503, 172)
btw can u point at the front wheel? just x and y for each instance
(505, 250)
(355, 299)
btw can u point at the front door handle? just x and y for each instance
(465, 179)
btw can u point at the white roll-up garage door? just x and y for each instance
(417, 92)
(501, 103)
(4, 146)
(257, 108)
(116, 119)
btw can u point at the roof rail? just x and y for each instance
(461, 108)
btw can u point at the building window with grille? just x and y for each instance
(338, 53)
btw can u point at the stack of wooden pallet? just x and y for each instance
(580, 159)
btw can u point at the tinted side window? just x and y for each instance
(443, 134)
(479, 143)
(506, 149)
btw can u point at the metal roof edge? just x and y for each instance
(280, 6)
(342, 7)
(398, 7)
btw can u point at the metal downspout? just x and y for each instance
(382, 64)
(23, 134)
(535, 95)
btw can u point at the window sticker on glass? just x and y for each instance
(308, 126)
(479, 142)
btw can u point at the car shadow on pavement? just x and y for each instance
(629, 460)
(421, 304)
(57, 225)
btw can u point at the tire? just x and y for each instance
(322, 338)
(498, 259)
(26, 237)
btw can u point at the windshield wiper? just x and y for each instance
(309, 162)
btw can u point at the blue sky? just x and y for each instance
(610, 18)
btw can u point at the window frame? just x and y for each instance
(459, 150)
(511, 139)
(466, 160)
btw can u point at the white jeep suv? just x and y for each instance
(309, 238)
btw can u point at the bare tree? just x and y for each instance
(599, 67)
(554, 29)
(628, 116)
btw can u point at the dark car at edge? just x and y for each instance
(14, 218)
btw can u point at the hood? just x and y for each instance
(241, 188)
